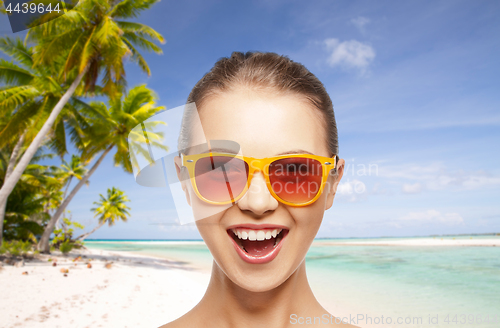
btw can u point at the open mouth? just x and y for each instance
(257, 245)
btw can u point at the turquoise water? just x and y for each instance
(410, 282)
(428, 286)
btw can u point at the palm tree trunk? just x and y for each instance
(43, 245)
(14, 156)
(64, 197)
(85, 235)
(11, 182)
(8, 172)
(67, 187)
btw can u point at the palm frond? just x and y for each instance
(88, 52)
(72, 19)
(138, 58)
(17, 95)
(74, 53)
(58, 142)
(107, 32)
(12, 74)
(50, 47)
(136, 97)
(18, 50)
(131, 8)
(142, 42)
(122, 159)
(140, 30)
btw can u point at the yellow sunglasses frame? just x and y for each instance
(258, 164)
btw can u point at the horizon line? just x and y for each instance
(379, 237)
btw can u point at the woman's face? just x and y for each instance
(264, 126)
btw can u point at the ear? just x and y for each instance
(333, 182)
(183, 177)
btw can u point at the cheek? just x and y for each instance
(309, 218)
(307, 222)
(211, 228)
(210, 232)
(205, 211)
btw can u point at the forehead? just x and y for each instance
(264, 124)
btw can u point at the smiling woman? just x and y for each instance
(272, 199)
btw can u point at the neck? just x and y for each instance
(226, 304)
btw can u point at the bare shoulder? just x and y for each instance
(185, 321)
(344, 322)
(173, 324)
(346, 325)
(321, 318)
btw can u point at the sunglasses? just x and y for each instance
(221, 178)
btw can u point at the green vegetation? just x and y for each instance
(110, 209)
(63, 238)
(18, 248)
(47, 86)
(31, 200)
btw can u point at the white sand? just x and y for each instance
(438, 241)
(137, 291)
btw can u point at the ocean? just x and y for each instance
(386, 286)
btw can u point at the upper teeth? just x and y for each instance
(256, 234)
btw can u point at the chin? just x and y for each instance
(261, 284)
(258, 277)
(258, 281)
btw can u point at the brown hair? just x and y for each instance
(266, 72)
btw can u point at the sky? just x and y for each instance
(413, 86)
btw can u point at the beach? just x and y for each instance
(135, 291)
(150, 283)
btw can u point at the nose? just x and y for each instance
(258, 199)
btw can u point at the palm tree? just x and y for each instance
(28, 95)
(90, 41)
(109, 210)
(108, 128)
(74, 169)
(25, 216)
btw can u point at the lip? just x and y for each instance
(261, 259)
(257, 226)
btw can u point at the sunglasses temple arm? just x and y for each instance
(228, 184)
(336, 163)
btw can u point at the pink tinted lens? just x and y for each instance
(220, 178)
(296, 179)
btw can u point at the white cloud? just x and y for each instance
(377, 189)
(436, 176)
(349, 54)
(360, 23)
(351, 191)
(412, 188)
(433, 216)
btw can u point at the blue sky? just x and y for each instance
(413, 85)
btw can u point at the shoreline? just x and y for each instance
(426, 242)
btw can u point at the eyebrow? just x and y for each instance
(231, 151)
(220, 150)
(296, 151)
